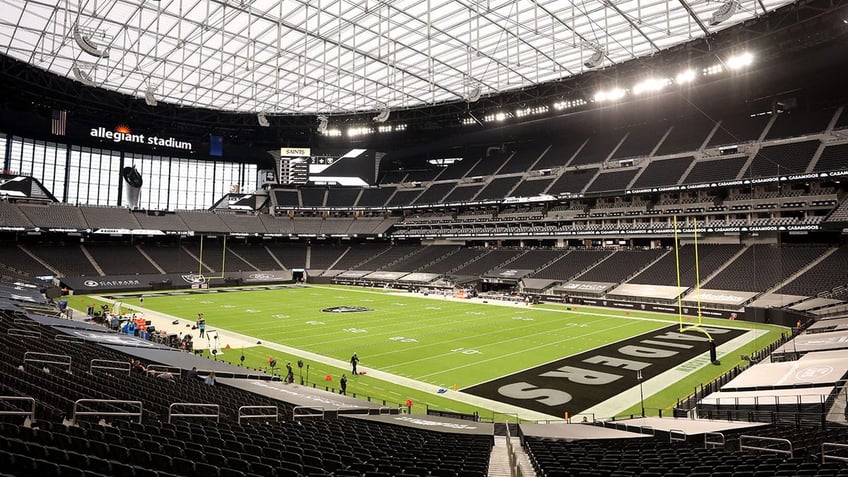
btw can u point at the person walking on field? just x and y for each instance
(354, 360)
(343, 384)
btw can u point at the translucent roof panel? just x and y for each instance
(342, 56)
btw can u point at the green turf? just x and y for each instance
(441, 342)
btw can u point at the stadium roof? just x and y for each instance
(345, 56)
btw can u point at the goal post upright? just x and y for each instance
(697, 269)
(677, 269)
(696, 326)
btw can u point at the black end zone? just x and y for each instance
(581, 381)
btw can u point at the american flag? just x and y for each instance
(58, 122)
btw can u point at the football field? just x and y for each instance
(445, 343)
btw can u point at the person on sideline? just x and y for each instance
(354, 360)
(201, 324)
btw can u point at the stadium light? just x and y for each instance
(685, 77)
(568, 104)
(498, 116)
(740, 61)
(609, 95)
(541, 109)
(713, 70)
(650, 85)
(355, 131)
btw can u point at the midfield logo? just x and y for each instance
(345, 309)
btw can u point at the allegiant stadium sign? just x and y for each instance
(123, 134)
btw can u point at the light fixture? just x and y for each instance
(568, 104)
(382, 117)
(596, 58)
(263, 120)
(473, 95)
(82, 76)
(739, 61)
(650, 85)
(322, 124)
(724, 12)
(87, 45)
(713, 70)
(609, 95)
(685, 77)
(150, 97)
(355, 131)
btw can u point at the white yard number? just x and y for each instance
(355, 330)
(466, 351)
(403, 339)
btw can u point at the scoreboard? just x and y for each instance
(294, 165)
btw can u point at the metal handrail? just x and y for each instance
(37, 357)
(295, 415)
(767, 400)
(674, 435)
(380, 410)
(30, 413)
(218, 374)
(743, 446)
(70, 338)
(826, 445)
(713, 439)
(159, 369)
(77, 412)
(506, 414)
(25, 322)
(241, 416)
(510, 453)
(103, 364)
(23, 333)
(171, 413)
(353, 410)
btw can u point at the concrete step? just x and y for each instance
(499, 459)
